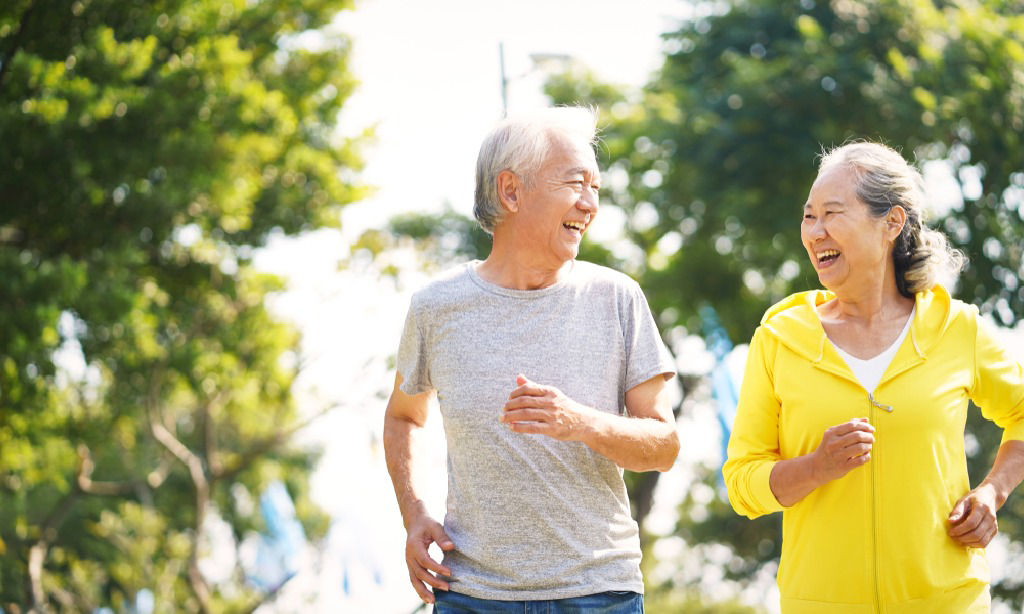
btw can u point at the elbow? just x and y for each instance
(662, 457)
(671, 452)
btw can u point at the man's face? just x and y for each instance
(560, 202)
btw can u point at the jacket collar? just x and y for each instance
(795, 323)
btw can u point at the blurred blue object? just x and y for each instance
(349, 534)
(144, 602)
(723, 389)
(277, 558)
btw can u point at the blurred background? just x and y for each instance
(213, 213)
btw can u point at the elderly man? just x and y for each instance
(550, 375)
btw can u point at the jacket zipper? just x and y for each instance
(874, 512)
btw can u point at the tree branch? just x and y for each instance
(202, 487)
(265, 445)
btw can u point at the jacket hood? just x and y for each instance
(795, 323)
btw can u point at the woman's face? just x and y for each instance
(848, 247)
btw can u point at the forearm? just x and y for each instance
(637, 444)
(398, 454)
(1007, 471)
(793, 479)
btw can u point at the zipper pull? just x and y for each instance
(883, 406)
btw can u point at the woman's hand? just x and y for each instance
(973, 519)
(843, 448)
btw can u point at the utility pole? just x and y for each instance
(504, 79)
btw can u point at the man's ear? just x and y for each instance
(895, 220)
(509, 189)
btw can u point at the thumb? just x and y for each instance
(442, 539)
(959, 510)
(521, 380)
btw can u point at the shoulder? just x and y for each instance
(450, 285)
(594, 275)
(940, 312)
(799, 307)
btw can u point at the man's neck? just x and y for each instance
(518, 270)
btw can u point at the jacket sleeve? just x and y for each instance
(998, 383)
(754, 442)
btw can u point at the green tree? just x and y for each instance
(149, 148)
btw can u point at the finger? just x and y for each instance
(529, 389)
(422, 558)
(957, 513)
(443, 541)
(859, 424)
(971, 521)
(972, 540)
(524, 415)
(989, 536)
(425, 595)
(857, 437)
(857, 461)
(528, 402)
(980, 537)
(532, 428)
(522, 379)
(855, 450)
(432, 580)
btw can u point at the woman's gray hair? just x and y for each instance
(921, 255)
(520, 144)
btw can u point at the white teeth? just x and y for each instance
(574, 225)
(827, 254)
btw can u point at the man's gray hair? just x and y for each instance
(921, 255)
(520, 144)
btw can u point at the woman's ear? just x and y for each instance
(508, 190)
(895, 220)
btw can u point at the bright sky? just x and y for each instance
(430, 76)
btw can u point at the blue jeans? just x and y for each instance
(609, 602)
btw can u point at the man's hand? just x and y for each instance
(545, 410)
(973, 519)
(424, 531)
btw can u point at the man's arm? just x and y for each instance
(406, 413)
(645, 440)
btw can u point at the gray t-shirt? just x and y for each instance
(532, 517)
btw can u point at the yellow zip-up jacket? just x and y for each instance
(873, 541)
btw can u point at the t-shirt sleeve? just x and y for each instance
(998, 383)
(646, 354)
(412, 356)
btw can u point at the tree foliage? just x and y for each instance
(149, 148)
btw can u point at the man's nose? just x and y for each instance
(588, 200)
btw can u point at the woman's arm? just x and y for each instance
(973, 519)
(843, 448)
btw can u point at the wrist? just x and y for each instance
(814, 470)
(588, 424)
(998, 492)
(412, 512)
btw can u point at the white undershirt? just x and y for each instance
(869, 372)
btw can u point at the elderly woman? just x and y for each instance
(851, 418)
